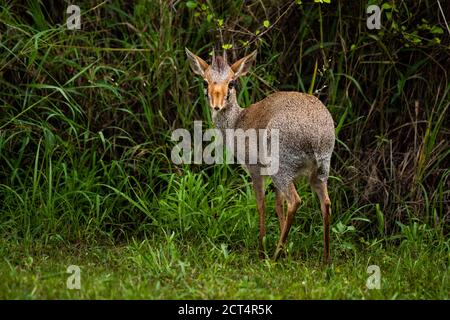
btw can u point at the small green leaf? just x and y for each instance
(435, 41)
(266, 23)
(220, 22)
(227, 46)
(348, 245)
(386, 6)
(389, 15)
(191, 4)
(244, 43)
(436, 30)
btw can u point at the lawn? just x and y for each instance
(166, 268)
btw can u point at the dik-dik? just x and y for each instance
(306, 139)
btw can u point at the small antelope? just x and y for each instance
(306, 139)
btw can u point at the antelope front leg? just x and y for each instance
(258, 185)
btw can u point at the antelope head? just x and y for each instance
(219, 77)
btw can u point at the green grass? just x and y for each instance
(201, 243)
(86, 176)
(170, 269)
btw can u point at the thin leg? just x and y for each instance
(258, 185)
(293, 200)
(320, 187)
(279, 199)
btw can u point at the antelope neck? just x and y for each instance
(227, 117)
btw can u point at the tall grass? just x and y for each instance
(86, 117)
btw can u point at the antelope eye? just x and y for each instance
(231, 84)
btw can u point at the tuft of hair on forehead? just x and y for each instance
(219, 63)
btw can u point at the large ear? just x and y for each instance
(242, 66)
(198, 65)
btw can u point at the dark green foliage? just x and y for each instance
(86, 117)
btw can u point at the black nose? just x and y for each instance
(216, 108)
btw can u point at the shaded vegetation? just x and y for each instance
(86, 117)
